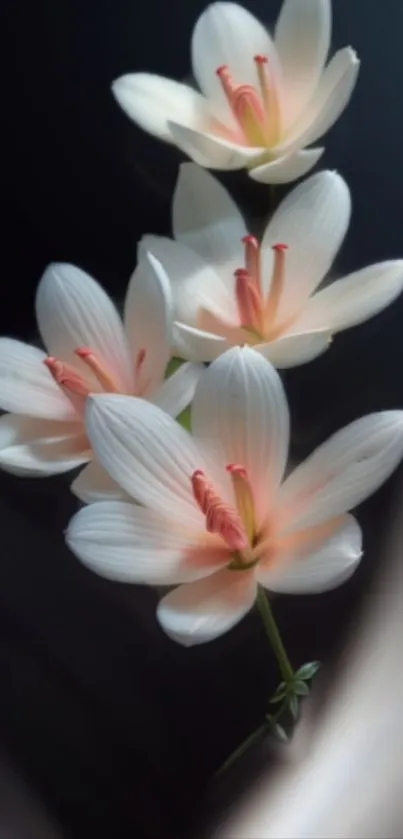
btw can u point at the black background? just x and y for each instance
(117, 729)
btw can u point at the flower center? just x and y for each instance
(258, 311)
(236, 524)
(76, 387)
(256, 109)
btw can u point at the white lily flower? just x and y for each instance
(90, 350)
(217, 516)
(229, 289)
(262, 100)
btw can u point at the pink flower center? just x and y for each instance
(257, 310)
(77, 387)
(234, 524)
(255, 108)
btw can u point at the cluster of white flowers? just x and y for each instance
(214, 511)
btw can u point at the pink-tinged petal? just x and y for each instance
(312, 220)
(207, 220)
(287, 168)
(74, 311)
(177, 391)
(149, 454)
(26, 386)
(332, 96)
(148, 323)
(212, 150)
(343, 471)
(198, 612)
(292, 350)
(354, 298)
(302, 40)
(95, 484)
(194, 282)
(311, 567)
(151, 101)
(38, 448)
(196, 345)
(226, 33)
(240, 416)
(130, 544)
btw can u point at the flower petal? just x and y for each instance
(151, 101)
(226, 33)
(129, 544)
(37, 448)
(302, 42)
(26, 386)
(147, 453)
(343, 471)
(311, 569)
(312, 220)
(74, 311)
(212, 150)
(240, 415)
(196, 345)
(95, 484)
(194, 282)
(199, 612)
(287, 168)
(355, 298)
(292, 350)
(177, 391)
(148, 322)
(207, 220)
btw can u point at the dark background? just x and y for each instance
(113, 727)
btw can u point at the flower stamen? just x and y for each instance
(69, 381)
(252, 260)
(276, 284)
(246, 107)
(220, 517)
(244, 498)
(101, 373)
(269, 98)
(248, 301)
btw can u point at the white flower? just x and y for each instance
(90, 350)
(262, 100)
(218, 517)
(230, 290)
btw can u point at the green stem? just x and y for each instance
(243, 747)
(274, 636)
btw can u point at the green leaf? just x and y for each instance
(279, 733)
(280, 693)
(172, 366)
(307, 671)
(301, 688)
(185, 418)
(293, 706)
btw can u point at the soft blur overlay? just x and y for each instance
(343, 774)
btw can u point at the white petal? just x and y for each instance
(314, 569)
(240, 416)
(37, 448)
(292, 350)
(226, 33)
(194, 282)
(355, 298)
(151, 101)
(26, 386)
(332, 96)
(74, 311)
(302, 42)
(206, 219)
(312, 221)
(196, 345)
(146, 452)
(148, 321)
(177, 391)
(212, 150)
(199, 612)
(127, 543)
(287, 168)
(95, 484)
(343, 471)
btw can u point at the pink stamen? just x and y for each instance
(244, 497)
(101, 373)
(268, 90)
(220, 517)
(69, 381)
(276, 284)
(252, 260)
(248, 300)
(245, 105)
